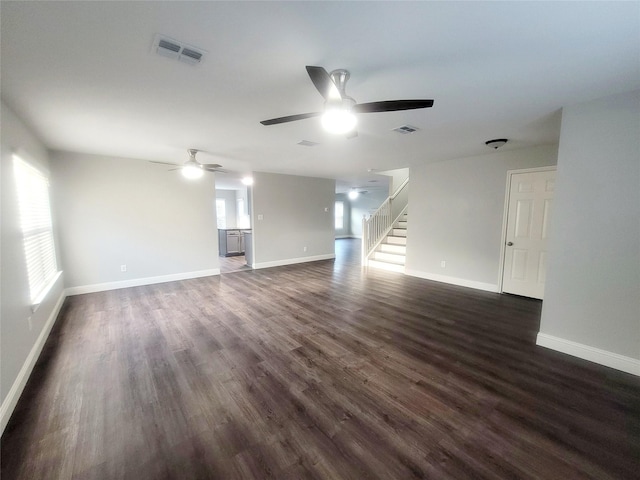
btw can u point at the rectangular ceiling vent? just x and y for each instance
(308, 143)
(405, 129)
(192, 54)
(168, 47)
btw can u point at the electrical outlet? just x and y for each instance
(304, 249)
(443, 264)
(260, 216)
(123, 268)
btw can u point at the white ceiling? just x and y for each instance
(83, 75)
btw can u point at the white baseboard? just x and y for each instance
(11, 400)
(291, 261)
(137, 282)
(592, 354)
(461, 282)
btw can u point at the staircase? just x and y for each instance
(384, 232)
(391, 253)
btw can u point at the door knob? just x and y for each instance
(509, 244)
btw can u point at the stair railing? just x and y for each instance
(379, 224)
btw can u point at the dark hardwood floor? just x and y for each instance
(315, 371)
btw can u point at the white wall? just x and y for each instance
(592, 295)
(22, 333)
(397, 176)
(116, 211)
(456, 213)
(293, 217)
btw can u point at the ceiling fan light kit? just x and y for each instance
(338, 120)
(355, 192)
(191, 172)
(338, 117)
(192, 169)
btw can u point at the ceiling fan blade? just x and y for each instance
(210, 165)
(290, 118)
(352, 134)
(323, 83)
(164, 163)
(391, 106)
(219, 170)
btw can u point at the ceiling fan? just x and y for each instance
(338, 116)
(192, 168)
(355, 192)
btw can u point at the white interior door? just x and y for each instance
(529, 213)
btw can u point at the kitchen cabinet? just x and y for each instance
(230, 242)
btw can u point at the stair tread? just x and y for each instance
(393, 267)
(399, 260)
(393, 248)
(393, 240)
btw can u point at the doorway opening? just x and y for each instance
(233, 217)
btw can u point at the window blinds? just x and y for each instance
(35, 220)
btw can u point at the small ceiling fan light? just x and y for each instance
(247, 181)
(192, 172)
(353, 194)
(338, 120)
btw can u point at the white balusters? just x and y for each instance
(379, 223)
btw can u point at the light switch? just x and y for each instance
(260, 216)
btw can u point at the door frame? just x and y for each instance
(505, 214)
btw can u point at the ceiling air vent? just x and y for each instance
(192, 55)
(308, 143)
(405, 129)
(168, 47)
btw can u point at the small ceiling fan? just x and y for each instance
(192, 168)
(355, 192)
(338, 115)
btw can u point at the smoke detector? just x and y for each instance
(497, 143)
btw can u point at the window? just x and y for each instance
(243, 215)
(221, 213)
(37, 230)
(339, 215)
